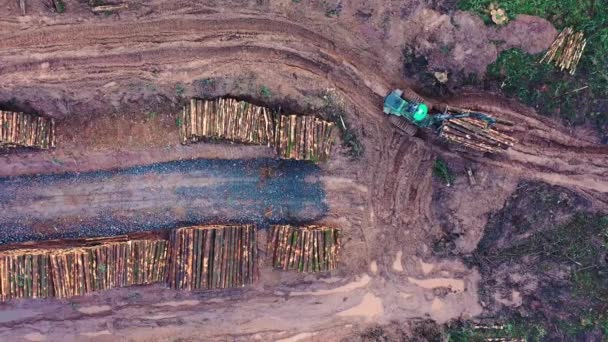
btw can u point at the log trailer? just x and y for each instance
(476, 131)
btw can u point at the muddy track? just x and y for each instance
(92, 54)
(68, 67)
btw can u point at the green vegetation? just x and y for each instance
(152, 115)
(332, 10)
(514, 329)
(578, 99)
(179, 89)
(59, 6)
(178, 122)
(265, 92)
(442, 171)
(207, 82)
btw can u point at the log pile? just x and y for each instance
(67, 272)
(212, 257)
(293, 136)
(24, 130)
(304, 249)
(303, 137)
(83, 270)
(25, 274)
(228, 119)
(566, 51)
(475, 134)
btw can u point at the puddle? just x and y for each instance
(96, 333)
(179, 303)
(373, 267)
(35, 337)
(370, 307)
(426, 268)
(298, 337)
(89, 310)
(397, 265)
(456, 285)
(346, 288)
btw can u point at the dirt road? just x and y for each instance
(105, 78)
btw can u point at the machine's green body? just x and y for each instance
(416, 112)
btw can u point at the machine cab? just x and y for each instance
(415, 112)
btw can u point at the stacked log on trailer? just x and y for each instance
(475, 134)
(228, 119)
(293, 136)
(25, 130)
(212, 257)
(303, 137)
(304, 249)
(25, 274)
(83, 270)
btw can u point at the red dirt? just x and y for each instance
(81, 68)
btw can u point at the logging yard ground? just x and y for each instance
(427, 255)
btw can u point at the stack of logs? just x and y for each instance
(83, 270)
(24, 130)
(475, 134)
(304, 249)
(293, 136)
(303, 137)
(71, 272)
(212, 257)
(227, 119)
(25, 274)
(566, 51)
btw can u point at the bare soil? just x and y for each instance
(115, 82)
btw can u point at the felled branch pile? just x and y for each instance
(212, 257)
(227, 119)
(84, 270)
(25, 274)
(475, 134)
(24, 130)
(293, 136)
(304, 249)
(566, 50)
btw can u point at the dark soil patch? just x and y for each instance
(543, 260)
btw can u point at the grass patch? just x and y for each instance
(179, 89)
(578, 99)
(442, 171)
(265, 92)
(59, 6)
(516, 328)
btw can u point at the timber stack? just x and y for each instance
(304, 249)
(228, 119)
(292, 136)
(67, 272)
(303, 137)
(566, 51)
(84, 270)
(212, 257)
(25, 274)
(475, 134)
(25, 130)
